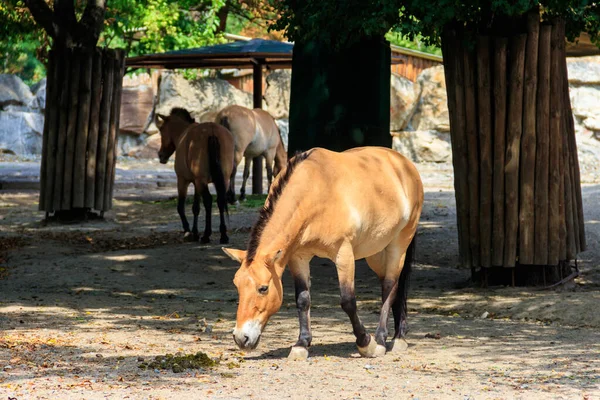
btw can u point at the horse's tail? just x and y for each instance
(403, 283)
(224, 121)
(216, 172)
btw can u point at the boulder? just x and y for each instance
(148, 149)
(277, 93)
(136, 106)
(199, 96)
(14, 92)
(39, 92)
(431, 112)
(585, 100)
(584, 70)
(21, 132)
(423, 146)
(284, 130)
(127, 142)
(403, 101)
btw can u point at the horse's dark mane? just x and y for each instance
(182, 113)
(267, 211)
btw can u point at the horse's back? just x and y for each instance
(364, 195)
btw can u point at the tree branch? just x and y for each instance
(43, 16)
(92, 22)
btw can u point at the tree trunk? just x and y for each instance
(519, 216)
(82, 114)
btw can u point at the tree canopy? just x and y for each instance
(320, 19)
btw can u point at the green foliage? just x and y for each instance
(416, 43)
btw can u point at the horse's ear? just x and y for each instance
(159, 120)
(234, 254)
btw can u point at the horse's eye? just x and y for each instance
(264, 289)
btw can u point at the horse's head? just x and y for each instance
(171, 127)
(260, 291)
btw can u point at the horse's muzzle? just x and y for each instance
(162, 158)
(248, 337)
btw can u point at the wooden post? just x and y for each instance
(473, 154)
(55, 72)
(554, 150)
(62, 130)
(111, 158)
(92, 144)
(83, 121)
(50, 86)
(513, 145)
(500, 95)
(108, 67)
(257, 163)
(453, 65)
(528, 143)
(484, 101)
(542, 147)
(71, 130)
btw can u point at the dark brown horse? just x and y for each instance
(203, 154)
(256, 134)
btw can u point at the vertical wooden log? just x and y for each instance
(542, 147)
(513, 146)
(473, 154)
(108, 67)
(571, 247)
(56, 62)
(62, 129)
(500, 95)
(67, 195)
(484, 102)
(92, 143)
(43, 167)
(453, 60)
(554, 151)
(528, 143)
(111, 161)
(83, 122)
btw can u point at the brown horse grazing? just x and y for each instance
(256, 134)
(204, 154)
(361, 203)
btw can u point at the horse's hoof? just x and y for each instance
(190, 237)
(205, 239)
(397, 346)
(298, 353)
(224, 240)
(372, 349)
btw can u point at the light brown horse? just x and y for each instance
(203, 154)
(256, 134)
(361, 203)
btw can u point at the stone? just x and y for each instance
(284, 130)
(148, 148)
(423, 146)
(21, 132)
(403, 101)
(14, 91)
(431, 111)
(39, 92)
(199, 96)
(126, 143)
(585, 100)
(136, 106)
(277, 93)
(593, 124)
(584, 70)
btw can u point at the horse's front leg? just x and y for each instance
(345, 264)
(182, 187)
(247, 164)
(300, 270)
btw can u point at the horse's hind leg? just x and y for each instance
(207, 200)
(182, 187)
(222, 204)
(399, 307)
(245, 178)
(269, 158)
(344, 262)
(195, 211)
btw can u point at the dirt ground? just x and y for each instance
(83, 305)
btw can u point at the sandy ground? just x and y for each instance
(82, 305)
